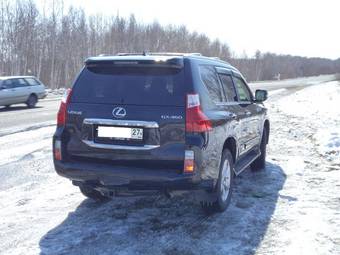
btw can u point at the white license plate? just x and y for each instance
(120, 133)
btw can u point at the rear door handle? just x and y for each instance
(248, 113)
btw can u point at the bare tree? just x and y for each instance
(53, 43)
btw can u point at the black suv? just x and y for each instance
(143, 123)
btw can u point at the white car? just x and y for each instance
(21, 89)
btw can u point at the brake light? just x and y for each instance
(189, 163)
(196, 120)
(61, 117)
(57, 150)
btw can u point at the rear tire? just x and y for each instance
(31, 101)
(223, 187)
(260, 162)
(93, 194)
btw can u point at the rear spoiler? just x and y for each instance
(177, 63)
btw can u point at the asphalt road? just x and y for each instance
(19, 116)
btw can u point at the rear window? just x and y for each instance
(32, 81)
(130, 85)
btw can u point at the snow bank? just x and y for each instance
(26, 143)
(329, 144)
(323, 106)
(58, 92)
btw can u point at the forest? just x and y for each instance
(52, 44)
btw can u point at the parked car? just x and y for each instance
(134, 124)
(21, 89)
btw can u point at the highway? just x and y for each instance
(19, 117)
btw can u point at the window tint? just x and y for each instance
(241, 87)
(130, 85)
(32, 81)
(210, 79)
(19, 83)
(228, 86)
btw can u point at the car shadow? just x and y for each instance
(156, 225)
(17, 108)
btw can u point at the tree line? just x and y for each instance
(52, 44)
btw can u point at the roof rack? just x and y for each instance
(144, 53)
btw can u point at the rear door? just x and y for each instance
(21, 90)
(251, 116)
(232, 105)
(128, 115)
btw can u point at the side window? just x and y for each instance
(228, 86)
(243, 92)
(20, 83)
(32, 81)
(8, 84)
(210, 80)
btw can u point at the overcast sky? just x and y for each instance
(297, 27)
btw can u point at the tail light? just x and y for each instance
(189, 163)
(61, 118)
(196, 121)
(57, 150)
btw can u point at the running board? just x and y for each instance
(246, 161)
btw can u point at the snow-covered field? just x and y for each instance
(291, 207)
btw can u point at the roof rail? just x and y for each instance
(131, 54)
(159, 54)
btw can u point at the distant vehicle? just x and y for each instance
(160, 122)
(21, 89)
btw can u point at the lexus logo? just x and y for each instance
(119, 112)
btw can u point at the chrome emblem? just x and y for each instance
(119, 112)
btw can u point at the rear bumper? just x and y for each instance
(115, 177)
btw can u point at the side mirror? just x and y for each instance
(261, 95)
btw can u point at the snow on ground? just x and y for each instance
(323, 109)
(291, 207)
(56, 92)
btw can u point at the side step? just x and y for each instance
(244, 162)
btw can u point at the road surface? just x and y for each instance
(19, 117)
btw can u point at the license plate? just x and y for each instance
(120, 133)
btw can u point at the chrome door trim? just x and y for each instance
(119, 147)
(128, 123)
